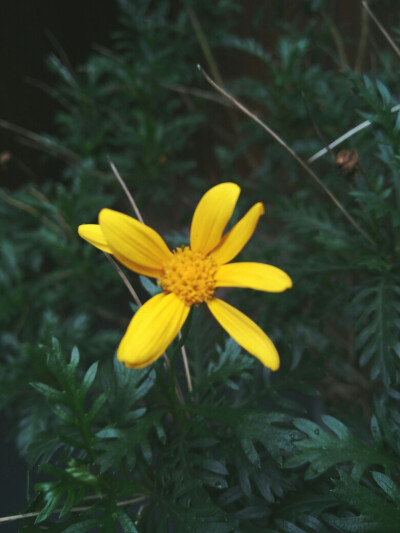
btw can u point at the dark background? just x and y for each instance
(29, 32)
(28, 29)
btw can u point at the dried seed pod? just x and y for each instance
(4, 158)
(347, 163)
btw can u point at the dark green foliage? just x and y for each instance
(324, 450)
(377, 338)
(378, 505)
(312, 448)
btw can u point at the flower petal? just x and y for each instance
(253, 276)
(134, 244)
(245, 332)
(92, 233)
(237, 238)
(211, 216)
(152, 329)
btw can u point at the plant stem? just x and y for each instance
(385, 33)
(183, 336)
(14, 518)
(362, 45)
(126, 190)
(187, 369)
(124, 279)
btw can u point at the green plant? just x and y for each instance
(312, 448)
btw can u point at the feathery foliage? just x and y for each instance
(311, 448)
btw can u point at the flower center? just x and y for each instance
(190, 275)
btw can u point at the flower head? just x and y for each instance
(189, 275)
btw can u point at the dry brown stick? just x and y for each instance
(196, 92)
(126, 191)
(385, 33)
(43, 198)
(186, 366)
(31, 210)
(38, 142)
(291, 152)
(23, 516)
(124, 279)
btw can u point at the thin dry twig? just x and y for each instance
(38, 142)
(124, 279)
(186, 366)
(385, 33)
(23, 516)
(196, 92)
(43, 198)
(291, 152)
(126, 190)
(31, 210)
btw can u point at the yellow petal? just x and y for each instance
(211, 216)
(235, 240)
(134, 244)
(253, 276)
(152, 329)
(92, 233)
(245, 332)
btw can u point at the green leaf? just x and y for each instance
(388, 486)
(81, 526)
(126, 387)
(88, 380)
(323, 449)
(269, 429)
(212, 465)
(51, 498)
(96, 406)
(261, 427)
(375, 514)
(151, 288)
(310, 522)
(377, 325)
(385, 94)
(288, 527)
(63, 413)
(125, 521)
(49, 392)
(117, 445)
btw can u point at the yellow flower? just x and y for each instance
(189, 275)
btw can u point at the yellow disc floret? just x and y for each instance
(190, 275)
